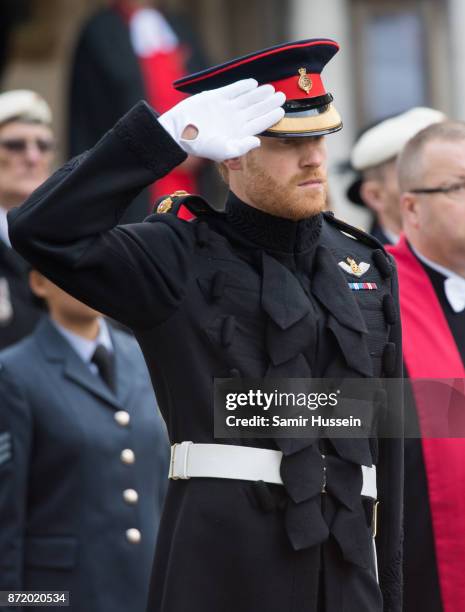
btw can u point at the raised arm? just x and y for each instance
(68, 228)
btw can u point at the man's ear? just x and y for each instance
(371, 192)
(233, 164)
(38, 284)
(409, 208)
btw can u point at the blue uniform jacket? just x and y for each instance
(65, 464)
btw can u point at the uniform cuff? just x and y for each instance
(143, 135)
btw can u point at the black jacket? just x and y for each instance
(19, 310)
(239, 293)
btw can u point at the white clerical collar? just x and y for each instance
(86, 348)
(151, 33)
(454, 284)
(4, 226)
(435, 266)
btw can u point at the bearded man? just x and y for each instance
(272, 287)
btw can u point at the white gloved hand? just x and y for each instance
(226, 120)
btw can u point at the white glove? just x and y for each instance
(226, 119)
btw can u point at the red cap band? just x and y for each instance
(293, 91)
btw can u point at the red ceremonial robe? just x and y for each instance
(159, 70)
(430, 352)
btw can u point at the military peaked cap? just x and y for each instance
(293, 68)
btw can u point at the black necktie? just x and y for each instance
(103, 359)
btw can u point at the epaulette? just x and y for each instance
(353, 232)
(183, 205)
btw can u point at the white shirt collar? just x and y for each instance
(435, 266)
(391, 236)
(4, 226)
(86, 348)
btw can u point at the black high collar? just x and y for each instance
(272, 233)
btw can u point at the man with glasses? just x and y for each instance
(26, 154)
(431, 266)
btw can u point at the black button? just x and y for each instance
(382, 263)
(389, 359)
(201, 233)
(218, 284)
(389, 309)
(227, 331)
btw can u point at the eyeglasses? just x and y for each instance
(455, 191)
(20, 145)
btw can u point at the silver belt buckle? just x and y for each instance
(179, 459)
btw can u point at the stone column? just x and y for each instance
(456, 14)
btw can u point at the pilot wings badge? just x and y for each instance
(352, 267)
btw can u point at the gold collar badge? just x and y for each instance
(304, 82)
(166, 204)
(352, 267)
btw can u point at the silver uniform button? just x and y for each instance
(122, 418)
(130, 496)
(133, 535)
(127, 456)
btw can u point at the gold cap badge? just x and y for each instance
(305, 82)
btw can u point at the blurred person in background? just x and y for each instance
(127, 52)
(374, 157)
(26, 154)
(430, 259)
(83, 460)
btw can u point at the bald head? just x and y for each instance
(432, 183)
(411, 162)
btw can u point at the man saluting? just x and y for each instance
(266, 288)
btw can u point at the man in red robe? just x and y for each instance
(431, 266)
(127, 51)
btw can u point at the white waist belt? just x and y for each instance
(189, 460)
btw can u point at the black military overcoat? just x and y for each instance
(63, 516)
(235, 294)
